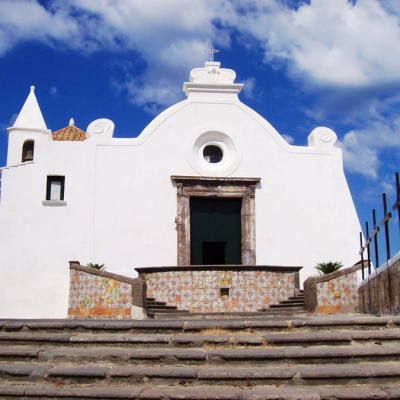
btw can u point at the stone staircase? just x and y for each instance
(294, 303)
(155, 307)
(313, 358)
(293, 306)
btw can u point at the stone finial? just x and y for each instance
(212, 79)
(322, 138)
(212, 73)
(71, 122)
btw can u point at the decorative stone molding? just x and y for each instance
(213, 79)
(322, 138)
(220, 136)
(100, 129)
(216, 187)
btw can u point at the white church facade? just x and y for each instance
(208, 181)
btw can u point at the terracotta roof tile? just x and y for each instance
(70, 133)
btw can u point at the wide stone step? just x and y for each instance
(218, 336)
(161, 307)
(186, 391)
(299, 297)
(290, 301)
(266, 323)
(153, 311)
(156, 303)
(205, 355)
(140, 374)
(229, 315)
(297, 305)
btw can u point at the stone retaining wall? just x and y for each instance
(335, 293)
(380, 292)
(220, 288)
(99, 294)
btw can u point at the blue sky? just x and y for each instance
(333, 63)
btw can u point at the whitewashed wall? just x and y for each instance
(121, 202)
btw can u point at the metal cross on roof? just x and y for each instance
(211, 52)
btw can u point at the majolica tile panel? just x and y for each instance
(200, 291)
(338, 293)
(97, 296)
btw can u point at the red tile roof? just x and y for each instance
(70, 133)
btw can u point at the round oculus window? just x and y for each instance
(212, 154)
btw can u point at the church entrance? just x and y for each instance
(215, 231)
(215, 220)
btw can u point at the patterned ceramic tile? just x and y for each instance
(93, 295)
(336, 293)
(199, 291)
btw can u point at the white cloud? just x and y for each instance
(330, 42)
(327, 42)
(22, 20)
(363, 147)
(53, 91)
(249, 86)
(288, 138)
(389, 186)
(357, 157)
(170, 36)
(324, 43)
(10, 123)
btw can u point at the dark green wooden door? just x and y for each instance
(215, 231)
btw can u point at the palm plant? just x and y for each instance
(96, 266)
(327, 268)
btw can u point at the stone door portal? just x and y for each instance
(219, 248)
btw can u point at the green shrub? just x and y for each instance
(327, 268)
(96, 266)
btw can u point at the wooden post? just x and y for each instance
(374, 235)
(396, 206)
(385, 222)
(361, 253)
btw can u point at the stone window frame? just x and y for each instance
(193, 186)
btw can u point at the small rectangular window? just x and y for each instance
(55, 188)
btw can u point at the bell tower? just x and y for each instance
(28, 128)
